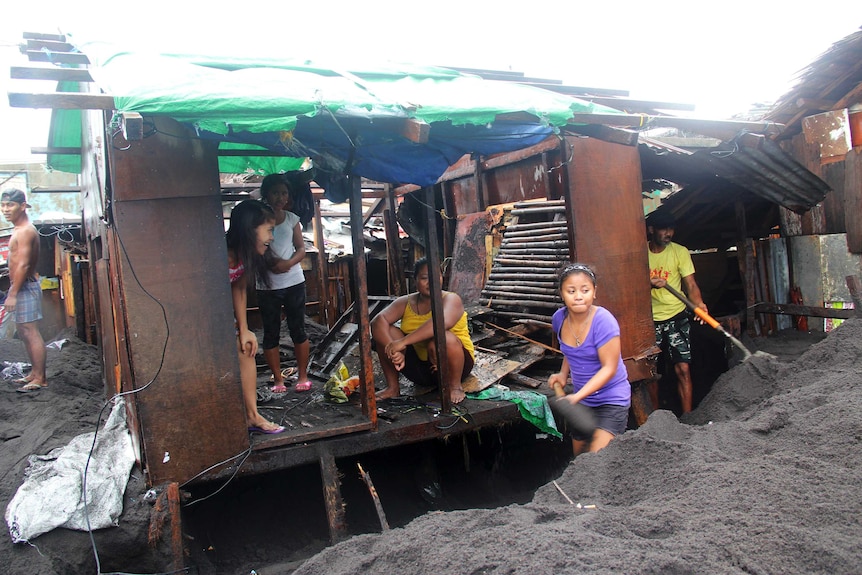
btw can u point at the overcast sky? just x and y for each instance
(721, 57)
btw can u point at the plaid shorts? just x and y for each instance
(29, 304)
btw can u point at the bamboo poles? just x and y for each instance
(522, 284)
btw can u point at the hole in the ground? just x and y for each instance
(280, 519)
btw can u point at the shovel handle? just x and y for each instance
(711, 321)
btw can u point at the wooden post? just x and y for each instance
(384, 524)
(436, 297)
(322, 271)
(482, 202)
(360, 301)
(746, 271)
(394, 261)
(855, 287)
(332, 496)
(166, 511)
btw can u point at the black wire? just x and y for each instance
(119, 395)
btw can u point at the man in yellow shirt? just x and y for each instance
(670, 264)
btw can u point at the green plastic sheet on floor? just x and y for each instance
(532, 405)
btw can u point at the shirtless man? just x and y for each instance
(24, 299)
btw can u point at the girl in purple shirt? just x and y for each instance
(589, 337)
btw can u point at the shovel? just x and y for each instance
(577, 416)
(712, 322)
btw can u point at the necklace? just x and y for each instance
(574, 331)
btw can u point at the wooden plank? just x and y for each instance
(52, 73)
(62, 151)
(807, 310)
(42, 36)
(853, 199)
(62, 101)
(49, 45)
(722, 129)
(431, 252)
(366, 375)
(488, 370)
(332, 497)
(57, 57)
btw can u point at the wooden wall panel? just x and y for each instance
(610, 234)
(171, 255)
(853, 199)
(524, 180)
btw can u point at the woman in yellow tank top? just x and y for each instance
(409, 349)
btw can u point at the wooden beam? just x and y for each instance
(62, 101)
(723, 129)
(46, 73)
(415, 131)
(375, 207)
(631, 104)
(796, 309)
(812, 104)
(57, 57)
(132, 124)
(850, 97)
(56, 150)
(56, 190)
(50, 45)
(40, 36)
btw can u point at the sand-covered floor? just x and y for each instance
(765, 477)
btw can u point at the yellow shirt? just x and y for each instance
(411, 321)
(672, 264)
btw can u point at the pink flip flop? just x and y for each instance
(304, 386)
(256, 429)
(278, 389)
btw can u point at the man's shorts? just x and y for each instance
(271, 302)
(29, 303)
(419, 372)
(676, 332)
(612, 418)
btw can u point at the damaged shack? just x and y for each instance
(501, 189)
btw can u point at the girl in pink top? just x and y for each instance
(248, 237)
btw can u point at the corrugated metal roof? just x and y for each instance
(752, 162)
(751, 173)
(832, 82)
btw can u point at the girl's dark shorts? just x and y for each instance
(419, 372)
(612, 418)
(271, 302)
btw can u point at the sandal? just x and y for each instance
(304, 386)
(278, 388)
(286, 373)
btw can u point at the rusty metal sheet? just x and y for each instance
(830, 130)
(467, 273)
(605, 195)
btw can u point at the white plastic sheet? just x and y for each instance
(51, 495)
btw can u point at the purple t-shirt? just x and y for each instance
(584, 359)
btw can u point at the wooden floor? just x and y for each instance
(317, 428)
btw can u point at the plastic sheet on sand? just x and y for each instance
(51, 495)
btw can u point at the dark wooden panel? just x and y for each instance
(163, 165)
(176, 296)
(467, 275)
(853, 199)
(610, 234)
(833, 203)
